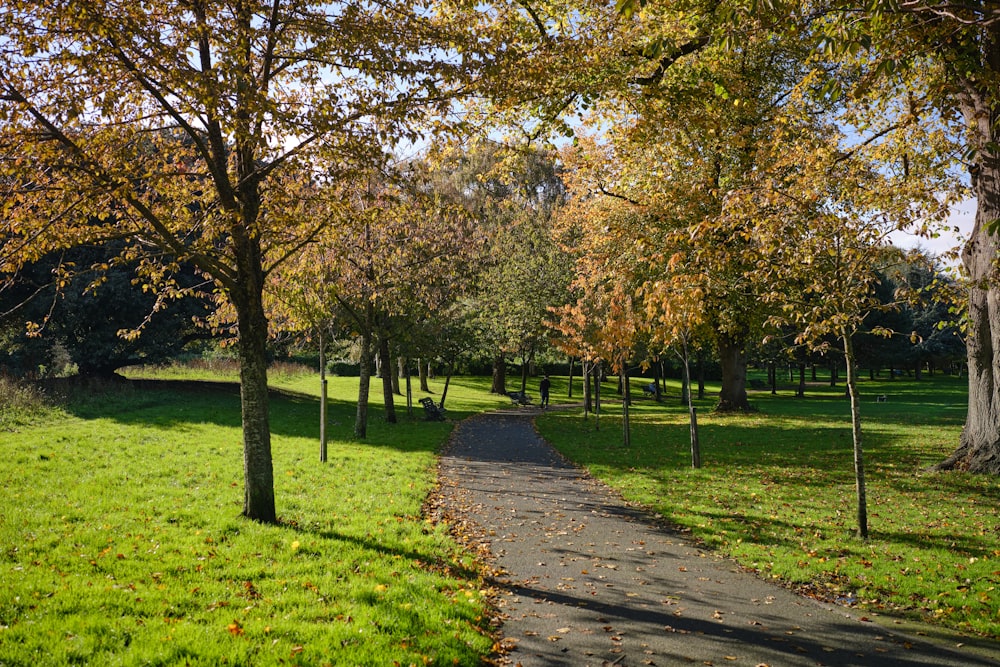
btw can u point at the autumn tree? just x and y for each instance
(391, 267)
(679, 96)
(188, 128)
(604, 320)
(823, 228)
(929, 68)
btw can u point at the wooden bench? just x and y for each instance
(432, 411)
(519, 398)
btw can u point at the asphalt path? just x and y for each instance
(585, 579)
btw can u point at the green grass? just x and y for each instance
(776, 492)
(121, 541)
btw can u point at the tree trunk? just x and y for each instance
(859, 463)
(409, 392)
(322, 398)
(524, 371)
(597, 396)
(733, 395)
(626, 431)
(388, 395)
(801, 391)
(364, 386)
(685, 387)
(979, 445)
(422, 372)
(657, 381)
(398, 375)
(700, 364)
(692, 412)
(570, 392)
(447, 381)
(588, 369)
(499, 375)
(258, 471)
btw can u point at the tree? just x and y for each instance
(680, 116)
(100, 314)
(604, 321)
(195, 125)
(927, 65)
(512, 193)
(394, 259)
(823, 227)
(677, 318)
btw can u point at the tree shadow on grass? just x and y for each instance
(429, 560)
(169, 404)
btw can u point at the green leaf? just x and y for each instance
(629, 7)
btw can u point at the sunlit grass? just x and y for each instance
(776, 491)
(122, 541)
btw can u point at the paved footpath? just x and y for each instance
(587, 580)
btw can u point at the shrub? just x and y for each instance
(20, 403)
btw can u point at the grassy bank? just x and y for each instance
(776, 491)
(122, 541)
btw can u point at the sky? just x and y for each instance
(953, 234)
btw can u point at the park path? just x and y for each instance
(586, 580)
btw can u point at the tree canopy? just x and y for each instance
(733, 167)
(195, 132)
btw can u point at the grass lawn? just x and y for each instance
(121, 540)
(776, 491)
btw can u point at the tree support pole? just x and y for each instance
(322, 399)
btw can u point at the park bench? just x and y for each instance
(649, 390)
(432, 411)
(519, 398)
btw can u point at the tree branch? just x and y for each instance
(666, 61)
(608, 193)
(534, 17)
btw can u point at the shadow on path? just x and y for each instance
(587, 580)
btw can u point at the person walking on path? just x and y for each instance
(585, 579)
(543, 390)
